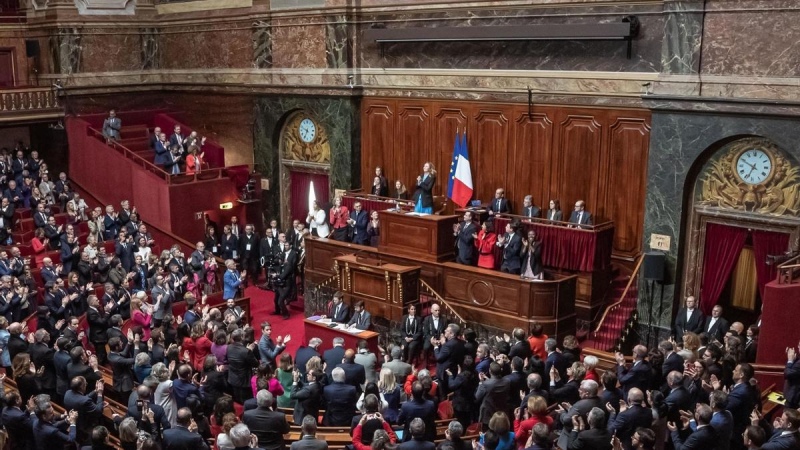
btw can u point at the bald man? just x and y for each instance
(631, 416)
(354, 374)
(689, 318)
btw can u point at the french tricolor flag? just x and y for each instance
(459, 183)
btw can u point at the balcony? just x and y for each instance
(31, 103)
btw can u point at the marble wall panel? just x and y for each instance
(337, 42)
(262, 44)
(207, 46)
(150, 48)
(66, 50)
(340, 118)
(752, 37)
(683, 30)
(680, 144)
(520, 55)
(106, 51)
(299, 42)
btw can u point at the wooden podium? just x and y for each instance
(383, 287)
(426, 237)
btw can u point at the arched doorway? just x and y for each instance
(744, 205)
(305, 157)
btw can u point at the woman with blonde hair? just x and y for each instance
(391, 393)
(691, 341)
(500, 424)
(400, 191)
(338, 219)
(229, 420)
(423, 196)
(536, 412)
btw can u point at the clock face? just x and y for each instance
(307, 129)
(754, 166)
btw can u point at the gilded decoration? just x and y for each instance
(299, 146)
(751, 175)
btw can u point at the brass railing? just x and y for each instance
(616, 305)
(788, 271)
(28, 100)
(443, 302)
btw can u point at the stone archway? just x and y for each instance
(725, 192)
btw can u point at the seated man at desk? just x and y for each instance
(361, 319)
(529, 210)
(580, 216)
(500, 204)
(339, 311)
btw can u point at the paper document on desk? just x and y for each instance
(352, 330)
(419, 214)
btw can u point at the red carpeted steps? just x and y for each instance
(617, 318)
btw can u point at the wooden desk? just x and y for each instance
(384, 287)
(312, 328)
(428, 237)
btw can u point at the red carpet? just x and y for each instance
(262, 305)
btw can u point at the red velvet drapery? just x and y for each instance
(767, 243)
(723, 245)
(298, 192)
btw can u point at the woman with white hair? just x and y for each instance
(590, 362)
(163, 395)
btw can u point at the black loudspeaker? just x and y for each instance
(31, 48)
(654, 266)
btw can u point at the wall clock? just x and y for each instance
(753, 166)
(307, 130)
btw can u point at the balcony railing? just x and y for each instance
(28, 100)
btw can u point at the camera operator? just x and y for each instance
(285, 279)
(269, 249)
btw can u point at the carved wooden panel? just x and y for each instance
(377, 140)
(577, 159)
(530, 152)
(488, 145)
(412, 143)
(628, 141)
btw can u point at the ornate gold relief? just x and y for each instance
(723, 181)
(295, 148)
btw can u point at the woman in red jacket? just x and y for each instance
(535, 413)
(485, 242)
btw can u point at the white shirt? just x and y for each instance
(689, 313)
(711, 323)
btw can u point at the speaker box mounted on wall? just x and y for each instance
(654, 265)
(31, 48)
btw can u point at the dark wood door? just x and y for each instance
(7, 75)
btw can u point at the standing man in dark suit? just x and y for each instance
(715, 326)
(89, 406)
(150, 415)
(418, 407)
(678, 398)
(580, 216)
(268, 425)
(530, 210)
(340, 399)
(596, 437)
(672, 361)
(638, 374)
(631, 416)
(287, 279)
(554, 360)
(358, 221)
(511, 243)
(305, 353)
(99, 321)
(268, 248)
(417, 439)
(154, 137)
(742, 398)
(432, 328)
(465, 233)
(784, 435)
(449, 352)
(122, 361)
(492, 394)
(47, 432)
(689, 318)
(499, 205)
(42, 358)
(18, 422)
(339, 312)
(124, 250)
(354, 374)
(184, 435)
(333, 356)
(791, 375)
(307, 395)
(110, 224)
(248, 249)
(240, 366)
(411, 334)
(703, 439)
